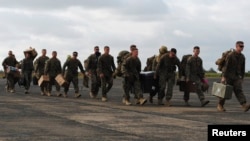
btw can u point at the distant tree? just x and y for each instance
(211, 70)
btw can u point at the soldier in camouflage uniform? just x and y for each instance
(91, 69)
(195, 73)
(163, 50)
(106, 68)
(72, 65)
(10, 61)
(27, 68)
(233, 74)
(166, 71)
(131, 69)
(39, 65)
(53, 68)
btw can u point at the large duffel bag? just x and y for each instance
(221, 90)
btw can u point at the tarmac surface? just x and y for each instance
(32, 117)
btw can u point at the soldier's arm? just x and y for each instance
(59, 67)
(100, 65)
(113, 64)
(187, 69)
(47, 66)
(81, 67)
(64, 66)
(124, 67)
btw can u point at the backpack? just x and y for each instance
(122, 55)
(184, 63)
(149, 63)
(220, 62)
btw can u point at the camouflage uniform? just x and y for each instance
(162, 51)
(39, 65)
(165, 70)
(131, 69)
(107, 67)
(72, 74)
(10, 61)
(195, 72)
(94, 78)
(234, 71)
(27, 67)
(53, 68)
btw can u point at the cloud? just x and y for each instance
(80, 25)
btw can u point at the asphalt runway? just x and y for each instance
(32, 117)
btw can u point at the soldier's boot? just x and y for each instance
(168, 104)
(77, 95)
(127, 102)
(65, 95)
(137, 101)
(48, 93)
(123, 100)
(245, 107)
(92, 95)
(160, 102)
(187, 103)
(104, 99)
(142, 101)
(42, 93)
(220, 106)
(204, 103)
(58, 94)
(150, 99)
(26, 92)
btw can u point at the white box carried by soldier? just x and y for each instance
(221, 90)
(60, 80)
(32, 52)
(43, 80)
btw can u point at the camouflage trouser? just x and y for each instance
(237, 88)
(43, 88)
(94, 83)
(168, 79)
(135, 85)
(52, 81)
(199, 90)
(74, 80)
(27, 79)
(10, 81)
(106, 84)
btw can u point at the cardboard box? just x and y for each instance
(60, 80)
(222, 90)
(43, 80)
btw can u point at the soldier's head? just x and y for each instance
(239, 46)
(163, 49)
(44, 51)
(74, 55)
(132, 47)
(54, 54)
(196, 50)
(96, 49)
(172, 52)
(106, 49)
(27, 55)
(135, 52)
(10, 53)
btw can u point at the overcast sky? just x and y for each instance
(79, 25)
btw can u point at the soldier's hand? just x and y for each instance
(223, 80)
(101, 75)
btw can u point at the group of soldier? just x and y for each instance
(100, 69)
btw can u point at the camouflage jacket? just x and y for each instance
(194, 69)
(235, 66)
(9, 61)
(167, 65)
(27, 65)
(92, 62)
(106, 65)
(131, 67)
(72, 67)
(39, 64)
(53, 67)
